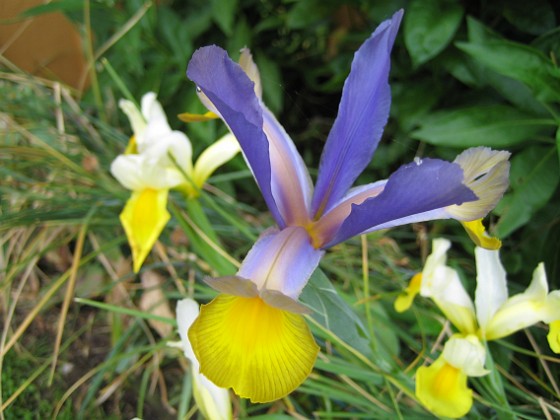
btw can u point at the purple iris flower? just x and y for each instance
(312, 219)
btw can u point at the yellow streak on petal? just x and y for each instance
(262, 352)
(554, 336)
(131, 147)
(188, 117)
(404, 300)
(143, 218)
(478, 234)
(443, 389)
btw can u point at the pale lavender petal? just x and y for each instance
(362, 115)
(231, 92)
(326, 227)
(291, 183)
(419, 188)
(282, 261)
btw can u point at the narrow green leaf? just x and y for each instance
(202, 246)
(520, 62)
(493, 126)
(558, 142)
(126, 311)
(534, 178)
(331, 311)
(429, 26)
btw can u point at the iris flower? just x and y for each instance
(442, 387)
(212, 401)
(157, 160)
(252, 337)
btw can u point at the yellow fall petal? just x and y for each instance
(262, 352)
(404, 300)
(554, 336)
(143, 218)
(443, 389)
(188, 117)
(478, 234)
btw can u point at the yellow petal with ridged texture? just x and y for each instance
(262, 352)
(443, 389)
(478, 234)
(554, 336)
(143, 218)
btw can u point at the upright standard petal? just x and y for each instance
(491, 288)
(231, 91)
(416, 192)
(135, 117)
(262, 352)
(362, 115)
(291, 183)
(143, 218)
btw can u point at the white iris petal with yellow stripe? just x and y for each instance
(157, 160)
(442, 387)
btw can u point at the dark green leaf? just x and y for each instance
(534, 178)
(429, 26)
(307, 12)
(520, 62)
(494, 126)
(534, 17)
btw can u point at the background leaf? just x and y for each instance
(490, 125)
(534, 178)
(429, 26)
(520, 62)
(331, 311)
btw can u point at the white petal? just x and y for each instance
(127, 169)
(467, 354)
(491, 289)
(175, 144)
(212, 401)
(187, 311)
(151, 108)
(137, 120)
(443, 285)
(522, 310)
(213, 157)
